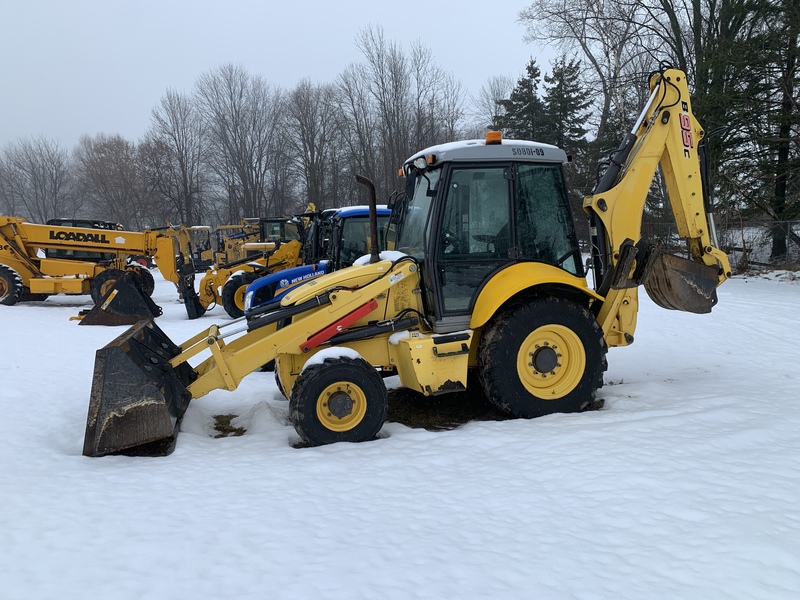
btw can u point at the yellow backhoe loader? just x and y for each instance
(37, 261)
(486, 276)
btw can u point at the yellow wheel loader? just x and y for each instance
(37, 261)
(486, 276)
(279, 247)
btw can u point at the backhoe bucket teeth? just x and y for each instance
(126, 303)
(137, 398)
(681, 284)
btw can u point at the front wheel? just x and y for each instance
(103, 283)
(233, 293)
(11, 287)
(339, 400)
(541, 357)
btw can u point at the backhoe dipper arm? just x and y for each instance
(666, 134)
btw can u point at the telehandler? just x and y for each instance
(486, 275)
(37, 261)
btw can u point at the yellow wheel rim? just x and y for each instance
(341, 406)
(3, 288)
(106, 287)
(551, 362)
(238, 297)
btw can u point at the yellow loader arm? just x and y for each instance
(143, 382)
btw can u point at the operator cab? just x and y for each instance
(471, 209)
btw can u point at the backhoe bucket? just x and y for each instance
(191, 301)
(681, 284)
(138, 398)
(194, 309)
(125, 303)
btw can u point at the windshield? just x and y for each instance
(355, 238)
(414, 219)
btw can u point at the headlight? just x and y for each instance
(248, 300)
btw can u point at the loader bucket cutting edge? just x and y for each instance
(137, 398)
(678, 283)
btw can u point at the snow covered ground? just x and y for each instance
(686, 485)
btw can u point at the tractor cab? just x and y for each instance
(474, 208)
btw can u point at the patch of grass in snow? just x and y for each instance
(222, 424)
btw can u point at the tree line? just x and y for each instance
(237, 146)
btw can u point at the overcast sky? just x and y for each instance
(74, 67)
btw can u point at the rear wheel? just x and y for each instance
(233, 293)
(340, 400)
(11, 287)
(541, 357)
(103, 283)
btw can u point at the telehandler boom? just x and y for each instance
(486, 275)
(37, 260)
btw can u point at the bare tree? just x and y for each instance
(173, 155)
(486, 105)
(392, 105)
(311, 128)
(357, 124)
(241, 115)
(605, 33)
(37, 181)
(114, 182)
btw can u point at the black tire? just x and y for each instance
(233, 293)
(146, 278)
(11, 287)
(358, 396)
(278, 381)
(541, 357)
(103, 283)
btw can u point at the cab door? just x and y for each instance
(473, 237)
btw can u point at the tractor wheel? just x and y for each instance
(541, 357)
(278, 382)
(340, 400)
(103, 283)
(146, 278)
(233, 293)
(11, 287)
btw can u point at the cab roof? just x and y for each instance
(360, 211)
(479, 150)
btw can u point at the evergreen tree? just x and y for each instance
(524, 114)
(565, 102)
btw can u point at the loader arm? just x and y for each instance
(666, 135)
(232, 361)
(143, 382)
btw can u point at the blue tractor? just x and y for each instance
(336, 239)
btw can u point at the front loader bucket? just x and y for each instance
(138, 398)
(125, 303)
(681, 284)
